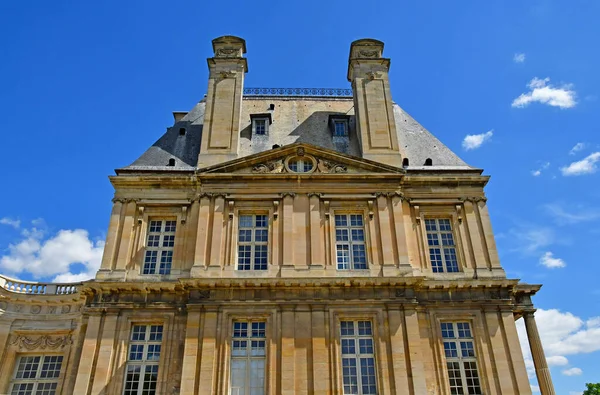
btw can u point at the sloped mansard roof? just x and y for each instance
(294, 120)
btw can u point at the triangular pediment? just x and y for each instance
(288, 159)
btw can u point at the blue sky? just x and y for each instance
(86, 87)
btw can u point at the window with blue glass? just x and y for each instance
(358, 358)
(442, 248)
(253, 242)
(350, 246)
(248, 357)
(461, 361)
(141, 370)
(160, 243)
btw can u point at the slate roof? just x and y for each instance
(295, 120)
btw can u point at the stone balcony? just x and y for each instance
(38, 288)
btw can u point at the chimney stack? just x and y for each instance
(221, 130)
(368, 72)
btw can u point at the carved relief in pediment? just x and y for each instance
(300, 164)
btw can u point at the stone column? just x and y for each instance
(537, 352)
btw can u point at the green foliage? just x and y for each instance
(592, 389)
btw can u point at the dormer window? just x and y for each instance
(338, 124)
(260, 124)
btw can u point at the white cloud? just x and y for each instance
(534, 388)
(530, 239)
(575, 393)
(576, 148)
(572, 372)
(15, 223)
(561, 334)
(557, 360)
(577, 215)
(542, 92)
(551, 262)
(585, 166)
(519, 58)
(538, 172)
(474, 141)
(43, 256)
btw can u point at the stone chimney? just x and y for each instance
(368, 72)
(221, 130)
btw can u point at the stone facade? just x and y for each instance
(276, 269)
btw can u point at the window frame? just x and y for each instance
(338, 121)
(255, 118)
(420, 212)
(305, 159)
(248, 357)
(454, 321)
(365, 242)
(236, 234)
(438, 232)
(37, 381)
(144, 362)
(357, 355)
(160, 249)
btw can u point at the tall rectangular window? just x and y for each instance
(442, 249)
(159, 247)
(350, 242)
(253, 240)
(37, 374)
(248, 357)
(141, 371)
(461, 362)
(358, 358)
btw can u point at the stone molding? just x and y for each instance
(42, 342)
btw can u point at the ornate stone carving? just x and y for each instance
(284, 194)
(317, 194)
(474, 199)
(109, 298)
(396, 194)
(269, 167)
(372, 75)
(226, 53)
(35, 309)
(226, 74)
(41, 342)
(300, 151)
(65, 309)
(51, 309)
(326, 166)
(369, 54)
(204, 294)
(3, 305)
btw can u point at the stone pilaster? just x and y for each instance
(537, 352)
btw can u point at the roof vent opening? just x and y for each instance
(171, 162)
(271, 106)
(276, 146)
(182, 131)
(428, 162)
(405, 162)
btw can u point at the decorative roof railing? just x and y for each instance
(35, 288)
(318, 92)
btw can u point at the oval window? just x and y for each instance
(300, 164)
